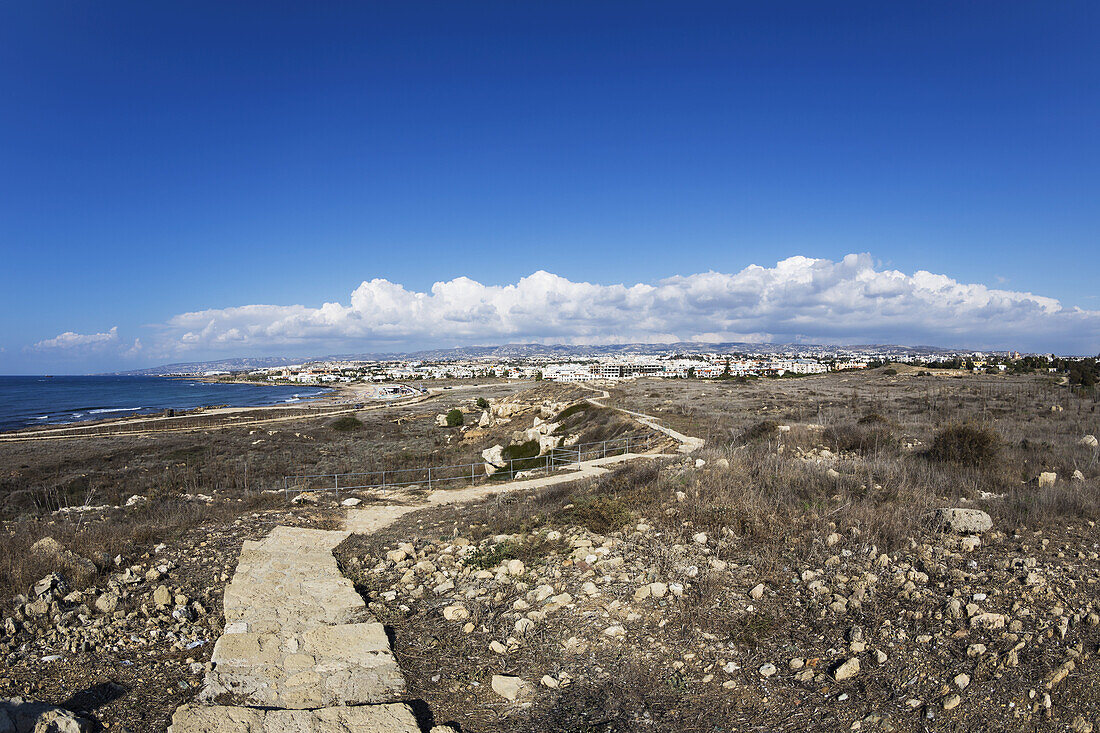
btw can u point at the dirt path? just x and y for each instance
(301, 652)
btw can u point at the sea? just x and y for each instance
(30, 401)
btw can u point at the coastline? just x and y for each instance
(341, 401)
(332, 397)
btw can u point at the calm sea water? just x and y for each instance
(26, 401)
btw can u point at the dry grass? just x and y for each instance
(122, 532)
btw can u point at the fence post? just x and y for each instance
(336, 477)
(286, 493)
(429, 478)
(383, 480)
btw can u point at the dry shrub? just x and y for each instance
(123, 532)
(965, 444)
(759, 431)
(346, 424)
(1031, 505)
(864, 437)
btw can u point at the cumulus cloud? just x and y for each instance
(799, 299)
(72, 340)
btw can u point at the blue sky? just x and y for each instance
(248, 163)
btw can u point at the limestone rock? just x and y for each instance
(847, 670)
(962, 521)
(23, 716)
(67, 561)
(107, 603)
(457, 612)
(1088, 441)
(1047, 478)
(494, 459)
(507, 686)
(390, 718)
(162, 597)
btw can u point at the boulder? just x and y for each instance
(351, 502)
(962, 521)
(484, 421)
(23, 716)
(847, 670)
(107, 603)
(47, 585)
(1088, 441)
(162, 597)
(548, 443)
(457, 612)
(507, 686)
(494, 459)
(68, 562)
(1047, 478)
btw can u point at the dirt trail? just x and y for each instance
(300, 651)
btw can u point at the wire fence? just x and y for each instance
(464, 474)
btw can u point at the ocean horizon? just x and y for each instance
(34, 400)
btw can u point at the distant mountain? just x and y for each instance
(525, 351)
(224, 365)
(521, 351)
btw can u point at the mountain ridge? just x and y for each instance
(525, 350)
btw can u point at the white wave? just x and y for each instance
(43, 417)
(114, 409)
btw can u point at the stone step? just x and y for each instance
(349, 664)
(288, 582)
(391, 718)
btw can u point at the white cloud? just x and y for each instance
(71, 340)
(799, 299)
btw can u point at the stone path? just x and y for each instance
(300, 652)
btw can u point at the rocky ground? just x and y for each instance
(797, 574)
(127, 650)
(653, 623)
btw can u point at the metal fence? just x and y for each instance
(463, 473)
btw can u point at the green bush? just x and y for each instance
(518, 451)
(890, 372)
(455, 418)
(482, 403)
(965, 443)
(346, 424)
(572, 410)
